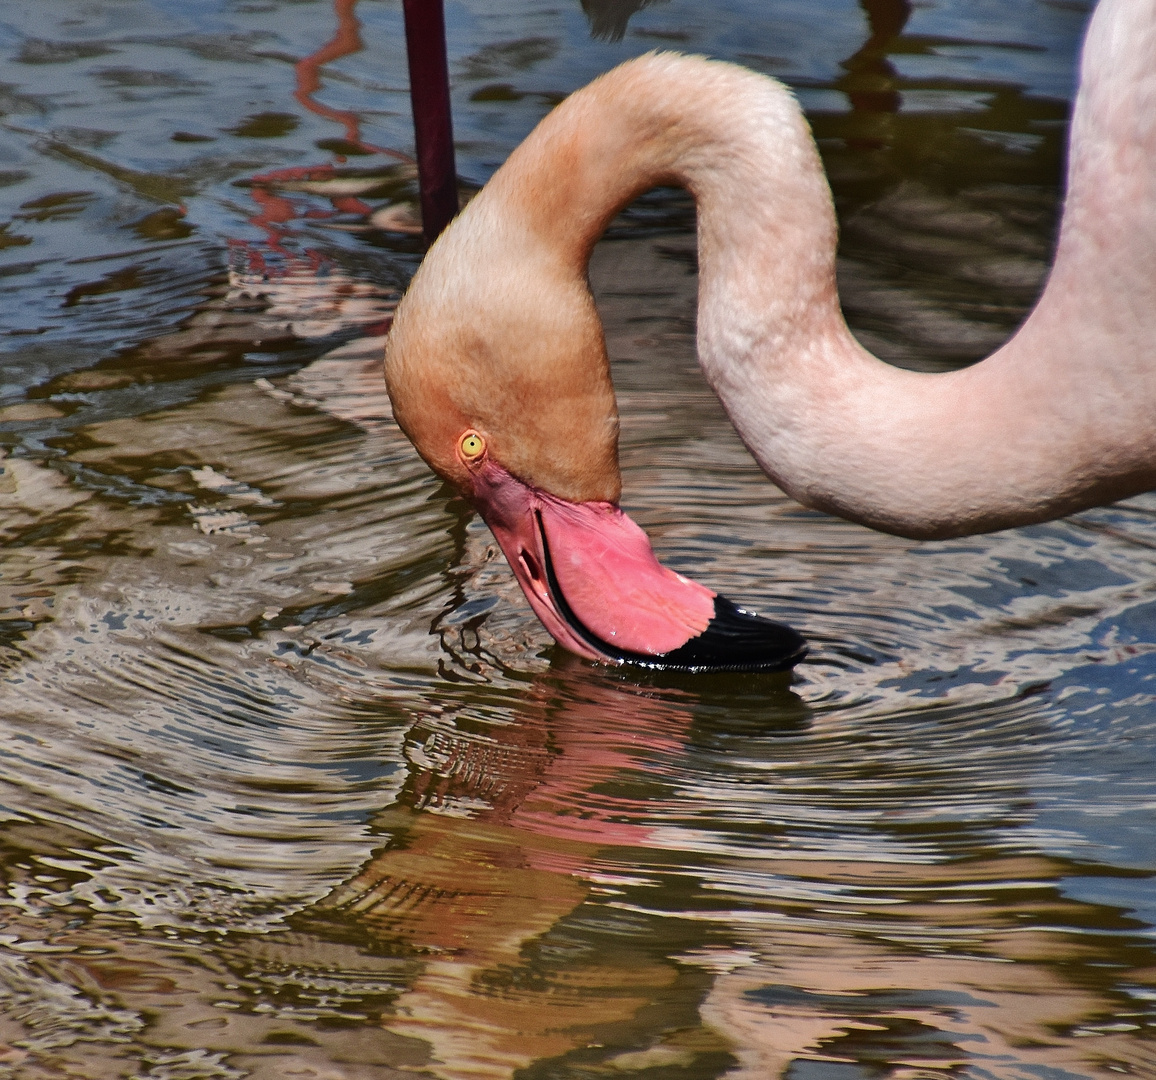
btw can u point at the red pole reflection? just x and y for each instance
(347, 40)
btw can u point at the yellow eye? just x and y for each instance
(472, 445)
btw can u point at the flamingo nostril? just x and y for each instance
(530, 564)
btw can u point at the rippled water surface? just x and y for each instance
(294, 785)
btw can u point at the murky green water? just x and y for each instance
(294, 785)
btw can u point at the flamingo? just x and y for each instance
(498, 373)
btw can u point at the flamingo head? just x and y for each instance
(497, 370)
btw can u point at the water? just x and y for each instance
(293, 784)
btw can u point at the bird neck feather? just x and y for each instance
(1057, 419)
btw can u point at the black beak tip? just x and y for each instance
(736, 640)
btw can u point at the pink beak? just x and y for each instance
(592, 578)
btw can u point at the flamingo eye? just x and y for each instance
(472, 446)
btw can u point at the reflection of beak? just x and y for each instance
(592, 578)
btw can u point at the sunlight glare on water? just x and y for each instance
(292, 782)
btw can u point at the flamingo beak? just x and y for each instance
(591, 577)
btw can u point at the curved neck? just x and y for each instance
(1058, 419)
(736, 140)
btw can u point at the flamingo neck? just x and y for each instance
(1056, 420)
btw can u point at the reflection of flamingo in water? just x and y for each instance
(347, 40)
(870, 80)
(467, 895)
(505, 829)
(497, 366)
(271, 191)
(305, 287)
